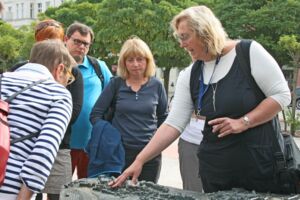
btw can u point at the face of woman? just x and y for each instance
(190, 42)
(136, 65)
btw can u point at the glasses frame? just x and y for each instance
(70, 76)
(183, 37)
(79, 42)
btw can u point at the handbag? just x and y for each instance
(286, 151)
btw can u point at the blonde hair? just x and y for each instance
(134, 46)
(51, 53)
(206, 25)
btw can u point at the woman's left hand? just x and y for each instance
(225, 126)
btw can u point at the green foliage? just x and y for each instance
(90, 1)
(290, 43)
(292, 46)
(9, 46)
(293, 121)
(147, 19)
(262, 20)
(70, 12)
(12, 42)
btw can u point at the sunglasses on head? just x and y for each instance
(44, 24)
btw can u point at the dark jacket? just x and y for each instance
(105, 150)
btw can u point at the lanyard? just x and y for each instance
(203, 87)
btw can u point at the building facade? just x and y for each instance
(23, 12)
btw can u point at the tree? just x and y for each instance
(70, 12)
(263, 20)
(11, 41)
(292, 46)
(117, 20)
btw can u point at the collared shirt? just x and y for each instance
(44, 108)
(82, 128)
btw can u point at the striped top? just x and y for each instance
(47, 108)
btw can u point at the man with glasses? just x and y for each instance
(78, 40)
(45, 108)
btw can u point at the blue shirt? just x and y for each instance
(82, 128)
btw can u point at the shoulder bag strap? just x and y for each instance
(117, 85)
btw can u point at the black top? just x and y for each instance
(76, 90)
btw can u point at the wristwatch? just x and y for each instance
(246, 120)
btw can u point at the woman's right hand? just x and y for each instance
(134, 170)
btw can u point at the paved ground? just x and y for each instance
(170, 175)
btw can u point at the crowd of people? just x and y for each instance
(224, 126)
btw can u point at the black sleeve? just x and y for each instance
(76, 90)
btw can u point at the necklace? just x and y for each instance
(203, 88)
(214, 95)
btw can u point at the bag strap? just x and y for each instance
(117, 85)
(97, 68)
(0, 84)
(10, 98)
(24, 137)
(243, 56)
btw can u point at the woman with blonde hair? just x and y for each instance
(237, 149)
(140, 103)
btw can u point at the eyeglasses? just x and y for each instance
(70, 76)
(44, 24)
(182, 37)
(80, 42)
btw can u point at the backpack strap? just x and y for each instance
(97, 68)
(10, 98)
(0, 84)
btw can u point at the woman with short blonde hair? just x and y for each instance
(135, 47)
(140, 103)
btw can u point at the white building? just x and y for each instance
(23, 12)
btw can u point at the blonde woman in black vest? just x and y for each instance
(236, 150)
